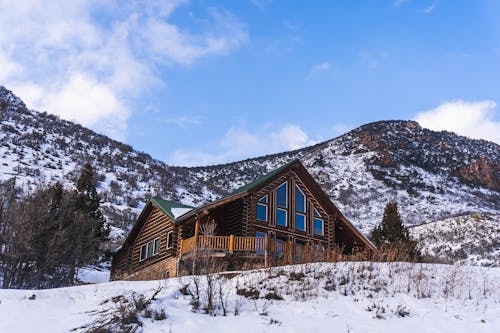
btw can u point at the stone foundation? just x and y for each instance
(160, 270)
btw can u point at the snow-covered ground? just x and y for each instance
(341, 297)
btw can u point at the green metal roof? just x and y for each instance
(262, 179)
(166, 206)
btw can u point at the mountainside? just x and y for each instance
(433, 175)
(470, 239)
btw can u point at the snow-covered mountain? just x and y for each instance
(432, 175)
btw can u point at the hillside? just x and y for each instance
(350, 297)
(470, 239)
(433, 175)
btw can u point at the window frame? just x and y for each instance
(317, 217)
(156, 249)
(305, 221)
(170, 242)
(286, 195)
(304, 202)
(298, 212)
(286, 217)
(143, 251)
(264, 204)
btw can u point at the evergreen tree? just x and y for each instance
(392, 236)
(391, 230)
(88, 230)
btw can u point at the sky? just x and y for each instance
(208, 82)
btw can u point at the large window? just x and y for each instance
(282, 205)
(300, 209)
(150, 249)
(262, 209)
(170, 239)
(319, 224)
(282, 195)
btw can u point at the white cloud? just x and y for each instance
(86, 60)
(373, 60)
(429, 9)
(324, 68)
(398, 3)
(472, 119)
(182, 121)
(239, 143)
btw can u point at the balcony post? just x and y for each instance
(196, 230)
(265, 251)
(231, 244)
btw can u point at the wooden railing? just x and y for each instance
(249, 244)
(223, 243)
(213, 242)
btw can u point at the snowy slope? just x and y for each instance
(343, 297)
(470, 239)
(433, 175)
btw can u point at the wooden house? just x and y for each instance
(282, 217)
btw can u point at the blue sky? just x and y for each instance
(204, 82)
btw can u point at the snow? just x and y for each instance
(361, 297)
(179, 211)
(92, 275)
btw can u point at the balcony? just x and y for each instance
(229, 244)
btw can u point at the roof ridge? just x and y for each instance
(167, 205)
(263, 178)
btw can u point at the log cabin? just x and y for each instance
(280, 218)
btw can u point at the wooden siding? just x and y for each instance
(157, 225)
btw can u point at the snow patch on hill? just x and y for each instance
(470, 239)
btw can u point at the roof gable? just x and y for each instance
(170, 208)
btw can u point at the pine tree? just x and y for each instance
(391, 230)
(88, 230)
(392, 236)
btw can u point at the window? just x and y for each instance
(281, 217)
(299, 250)
(300, 200)
(260, 235)
(280, 244)
(300, 209)
(318, 224)
(170, 239)
(319, 252)
(282, 205)
(300, 221)
(143, 253)
(262, 206)
(156, 248)
(281, 195)
(149, 249)
(319, 247)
